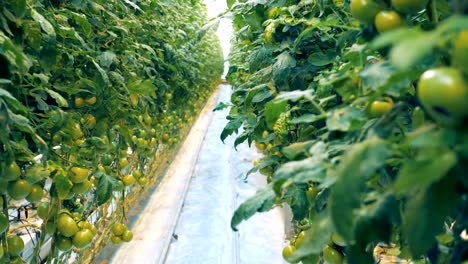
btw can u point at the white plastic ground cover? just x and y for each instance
(217, 187)
(153, 227)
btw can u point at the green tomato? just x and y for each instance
(365, 10)
(287, 253)
(63, 243)
(443, 92)
(82, 238)
(66, 225)
(331, 256)
(380, 108)
(12, 172)
(388, 20)
(15, 245)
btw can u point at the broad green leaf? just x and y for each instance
(262, 201)
(424, 170)
(103, 78)
(297, 201)
(18, 6)
(408, 52)
(321, 59)
(36, 173)
(232, 126)
(294, 96)
(62, 185)
(262, 96)
(307, 118)
(48, 57)
(14, 55)
(425, 214)
(316, 237)
(302, 171)
(356, 166)
(104, 188)
(82, 21)
(295, 150)
(273, 110)
(61, 101)
(45, 24)
(346, 119)
(282, 68)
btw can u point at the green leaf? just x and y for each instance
(307, 118)
(294, 96)
(425, 213)
(45, 24)
(282, 68)
(346, 119)
(320, 59)
(82, 21)
(13, 55)
(103, 78)
(104, 188)
(262, 96)
(232, 126)
(62, 185)
(259, 58)
(48, 58)
(295, 150)
(409, 51)
(303, 171)
(426, 169)
(36, 173)
(106, 59)
(61, 101)
(356, 166)
(262, 201)
(19, 7)
(298, 202)
(142, 87)
(273, 110)
(316, 237)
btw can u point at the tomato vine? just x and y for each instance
(357, 106)
(94, 98)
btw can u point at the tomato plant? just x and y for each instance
(79, 79)
(357, 108)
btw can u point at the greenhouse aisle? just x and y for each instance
(187, 217)
(217, 187)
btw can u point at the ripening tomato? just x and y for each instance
(365, 10)
(19, 189)
(79, 102)
(388, 20)
(91, 100)
(127, 236)
(12, 172)
(381, 107)
(63, 243)
(287, 253)
(66, 225)
(82, 238)
(443, 92)
(78, 174)
(15, 245)
(331, 255)
(36, 194)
